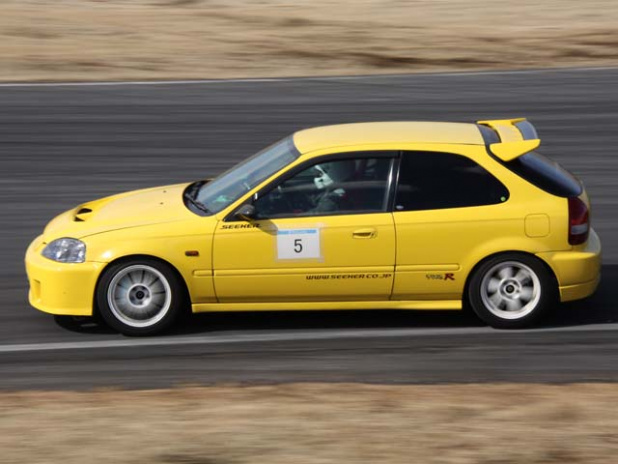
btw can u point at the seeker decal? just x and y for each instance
(348, 276)
(241, 226)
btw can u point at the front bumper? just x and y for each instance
(60, 288)
(578, 271)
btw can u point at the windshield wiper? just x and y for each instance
(199, 205)
(191, 199)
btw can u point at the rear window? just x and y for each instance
(546, 174)
(537, 169)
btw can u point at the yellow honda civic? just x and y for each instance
(388, 215)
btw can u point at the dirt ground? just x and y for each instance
(193, 39)
(315, 423)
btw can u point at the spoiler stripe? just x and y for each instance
(517, 137)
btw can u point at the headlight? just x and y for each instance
(66, 250)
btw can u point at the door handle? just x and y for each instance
(365, 233)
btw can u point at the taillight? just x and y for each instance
(579, 221)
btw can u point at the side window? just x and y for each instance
(443, 180)
(344, 186)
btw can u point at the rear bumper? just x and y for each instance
(60, 288)
(579, 291)
(578, 271)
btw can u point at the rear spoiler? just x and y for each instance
(517, 137)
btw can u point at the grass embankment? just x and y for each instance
(193, 39)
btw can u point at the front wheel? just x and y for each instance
(512, 291)
(140, 297)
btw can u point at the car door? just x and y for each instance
(323, 232)
(447, 208)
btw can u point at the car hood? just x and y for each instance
(131, 209)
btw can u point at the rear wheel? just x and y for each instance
(512, 291)
(140, 297)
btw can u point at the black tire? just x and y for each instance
(149, 284)
(512, 291)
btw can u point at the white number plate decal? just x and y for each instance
(298, 244)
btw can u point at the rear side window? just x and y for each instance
(444, 180)
(546, 174)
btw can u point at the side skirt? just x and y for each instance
(330, 306)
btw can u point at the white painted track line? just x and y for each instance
(286, 337)
(239, 338)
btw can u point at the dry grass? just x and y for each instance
(315, 423)
(163, 39)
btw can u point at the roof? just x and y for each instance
(387, 132)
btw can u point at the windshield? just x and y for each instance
(232, 184)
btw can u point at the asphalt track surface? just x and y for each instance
(63, 145)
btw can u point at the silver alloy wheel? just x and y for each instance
(510, 290)
(139, 296)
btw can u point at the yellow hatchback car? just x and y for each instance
(388, 215)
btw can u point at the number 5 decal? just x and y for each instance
(298, 244)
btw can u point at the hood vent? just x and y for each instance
(82, 214)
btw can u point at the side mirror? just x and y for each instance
(245, 212)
